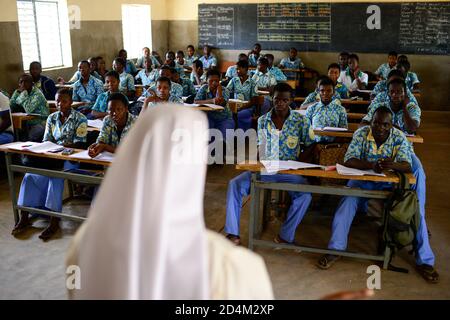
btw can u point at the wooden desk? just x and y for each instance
(19, 117)
(256, 224)
(343, 101)
(355, 116)
(54, 173)
(349, 134)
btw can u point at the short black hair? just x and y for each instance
(293, 48)
(392, 54)
(173, 70)
(113, 74)
(269, 55)
(326, 82)
(207, 46)
(257, 45)
(190, 46)
(282, 87)
(117, 96)
(164, 79)
(165, 67)
(35, 62)
(85, 61)
(382, 109)
(121, 61)
(181, 52)
(171, 64)
(212, 72)
(405, 64)
(263, 60)
(353, 56)
(122, 51)
(402, 57)
(65, 91)
(395, 73)
(242, 64)
(320, 78)
(400, 81)
(198, 63)
(344, 53)
(171, 53)
(334, 66)
(242, 55)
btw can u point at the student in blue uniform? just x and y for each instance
(129, 65)
(242, 87)
(208, 59)
(161, 94)
(412, 82)
(147, 76)
(278, 74)
(381, 85)
(314, 96)
(384, 69)
(100, 108)
(264, 79)
(67, 128)
(406, 116)
(281, 135)
(176, 89)
(126, 79)
(291, 62)
(140, 63)
(327, 112)
(6, 128)
(232, 70)
(191, 55)
(46, 85)
(87, 89)
(254, 55)
(180, 64)
(198, 75)
(188, 86)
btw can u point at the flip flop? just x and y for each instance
(428, 273)
(327, 260)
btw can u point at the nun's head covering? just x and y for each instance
(145, 234)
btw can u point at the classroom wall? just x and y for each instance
(433, 71)
(100, 34)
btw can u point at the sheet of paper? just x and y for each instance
(356, 172)
(97, 123)
(262, 92)
(213, 106)
(192, 105)
(36, 147)
(364, 91)
(104, 156)
(22, 145)
(237, 101)
(273, 166)
(332, 129)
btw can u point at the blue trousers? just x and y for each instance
(222, 125)
(239, 187)
(6, 137)
(347, 209)
(38, 191)
(245, 119)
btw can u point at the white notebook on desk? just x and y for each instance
(36, 147)
(273, 166)
(346, 171)
(97, 123)
(332, 129)
(213, 106)
(104, 156)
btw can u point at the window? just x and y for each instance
(137, 29)
(44, 33)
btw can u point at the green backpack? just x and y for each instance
(402, 220)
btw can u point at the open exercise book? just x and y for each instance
(356, 172)
(37, 147)
(273, 166)
(237, 101)
(97, 123)
(212, 106)
(104, 156)
(331, 129)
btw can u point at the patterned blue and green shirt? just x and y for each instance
(72, 131)
(242, 91)
(188, 87)
(331, 115)
(296, 64)
(101, 105)
(147, 79)
(278, 74)
(364, 147)
(176, 89)
(411, 80)
(315, 97)
(383, 70)
(126, 82)
(204, 93)
(208, 62)
(88, 93)
(33, 102)
(108, 134)
(264, 80)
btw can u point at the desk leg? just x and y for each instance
(387, 255)
(12, 186)
(254, 207)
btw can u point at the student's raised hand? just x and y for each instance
(355, 73)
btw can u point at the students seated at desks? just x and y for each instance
(101, 68)
(140, 63)
(384, 69)
(412, 82)
(339, 87)
(126, 80)
(254, 55)
(77, 75)
(87, 89)
(100, 108)
(343, 60)
(180, 63)
(328, 112)
(279, 75)
(380, 92)
(6, 128)
(353, 78)
(291, 62)
(198, 76)
(380, 146)
(232, 70)
(29, 99)
(170, 58)
(215, 93)
(188, 86)
(46, 85)
(147, 76)
(129, 65)
(67, 128)
(161, 94)
(242, 87)
(281, 133)
(208, 59)
(116, 125)
(264, 80)
(314, 96)
(191, 55)
(176, 89)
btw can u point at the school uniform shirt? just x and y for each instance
(73, 130)
(287, 63)
(208, 62)
(346, 79)
(331, 115)
(264, 80)
(202, 77)
(47, 86)
(188, 87)
(101, 104)
(242, 91)
(4, 108)
(180, 69)
(77, 76)
(204, 93)
(285, 144)
(172, 99)
(411, 80)
(383, 70)
(278, 74)
(231, 72)
(315, 97)
(108, 134)
(397, 117)
(383, 96)
(190, 60)
(126, 82)
(176, 89)
(130, 67)
(88, 93)
(364, 147)
(147, 79)
(140, 63)
(33, 102)
(253, 60)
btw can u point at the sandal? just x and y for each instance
(235, 239)
(49, 232)
(327, 260)
(428, 273)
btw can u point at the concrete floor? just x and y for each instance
(31, 269)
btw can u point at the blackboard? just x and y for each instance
(420, 27)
